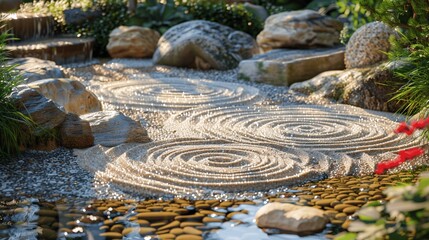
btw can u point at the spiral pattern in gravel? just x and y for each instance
(174, 94)
(336, 128)
(195, 167)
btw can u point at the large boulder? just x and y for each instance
(204, 45)
(368, 88)
(299, 29)
(75, 132)
(111, 128)
(291, 218)
(287, 66)
(368, 45)
(42, 111)
(68, 93)
(132, 42)
(33, 69)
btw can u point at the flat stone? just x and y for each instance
(189, 237)
(341, 207)
(166, 236)
(191, 230)
(156, 216)
(190, 218)
(350, 210)
(325, 202)
(191, 224)
(111, 235)
(177, 231)
(288, 66)
(292, 218)
(170, 225)
(355, 202)
(141, 230)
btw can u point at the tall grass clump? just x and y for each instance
(15, 127)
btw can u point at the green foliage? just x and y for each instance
(159, 16)
(414, 73)
(278, 6)
(113, 15)
(405, 216)
(411, 16)
(356, 14)
(232, 15)
(14, 126)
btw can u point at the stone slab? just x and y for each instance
(287, 66)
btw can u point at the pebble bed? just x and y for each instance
(189, 219)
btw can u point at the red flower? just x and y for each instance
(403, 156)
(411, 153)
(420, 124)
(404, 128)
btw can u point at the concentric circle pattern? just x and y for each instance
(195, 166)
(336, 128)
(174, 94)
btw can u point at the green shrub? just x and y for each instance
(356, 14)
(113, 14)
(14, 126)
(159, 16)
(232, 15)
(278, 6)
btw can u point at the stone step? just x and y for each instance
(61, 50)
(287, 66)
(25, 26)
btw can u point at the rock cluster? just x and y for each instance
(65, 106)
(204, 45)
(368, 88)
(132, 42)
(299, 29)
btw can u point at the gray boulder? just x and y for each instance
(42, 111)
(369, 88)
(34, 69)
(204, 45)
(299, 29)
(368, 45)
